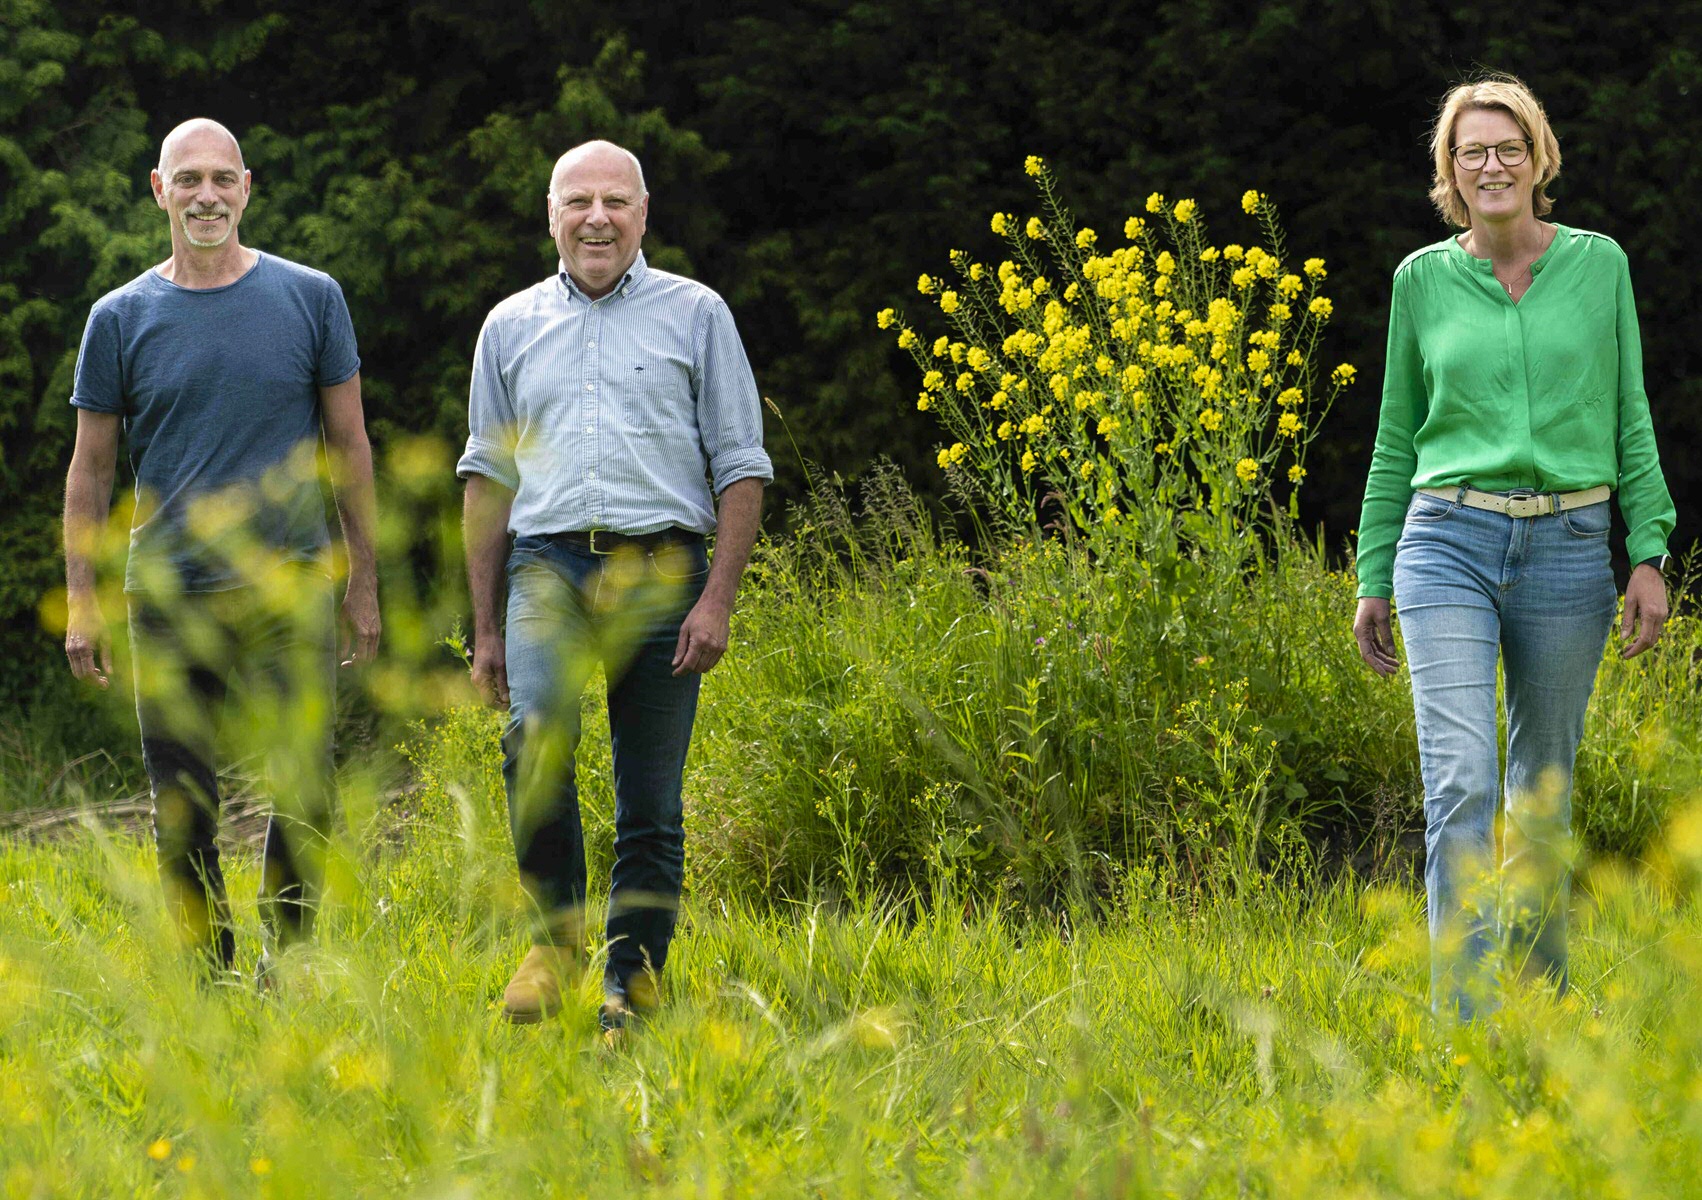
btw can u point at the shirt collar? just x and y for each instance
(633, 278)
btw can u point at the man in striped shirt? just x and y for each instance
(614, 424)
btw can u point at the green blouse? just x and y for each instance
(1546, 394)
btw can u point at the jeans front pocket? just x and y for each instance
(1590, 523)
(1425, 509)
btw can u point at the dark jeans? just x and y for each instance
(570, 611)
(251, 669)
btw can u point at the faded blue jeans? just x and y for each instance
(570, 611)
(1538, 594)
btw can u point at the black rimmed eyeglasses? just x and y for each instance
(1508, 154)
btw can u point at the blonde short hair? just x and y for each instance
(1511, 96)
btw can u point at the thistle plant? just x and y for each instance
(1163, 390)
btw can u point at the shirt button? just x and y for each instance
(592, 472)
(590, 387)
(590, 345)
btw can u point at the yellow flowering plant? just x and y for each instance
(1163, 388)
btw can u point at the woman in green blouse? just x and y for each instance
(1513, 407)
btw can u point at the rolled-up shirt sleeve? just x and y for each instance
(729, 409)
(491, 420)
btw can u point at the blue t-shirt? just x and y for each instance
(219, 390)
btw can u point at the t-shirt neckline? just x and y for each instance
(259, 257)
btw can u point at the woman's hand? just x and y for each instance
(1375, 637)
(1645, 611)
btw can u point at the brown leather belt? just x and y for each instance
(607, 541)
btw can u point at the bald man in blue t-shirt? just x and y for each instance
(224, 366)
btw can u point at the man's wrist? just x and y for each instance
(1659, 562)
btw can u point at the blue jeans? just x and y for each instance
(253, 668)
(570, 611)
(1537, 593)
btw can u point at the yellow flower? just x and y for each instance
(956, 350)
(1289, 397)
(1087, 468)
(1111, 516)
(1250, 201)
(1315, 268)
(1280, 312)
(1035, 423)
(948, 302)
(925, 285)
(1296, 473)
(1161, 448)
(1033, 164)
(186, 1164)
(999, 399)
(1294, 359)
(1211, 420)
(933, 381)
(1184, 211)
(1321, 308)
(979, 359)
(1005, 430)
(885, 318)
(1132, 228)
(1289, 424)
(907, 339)
(260, 1166)
(1243, 277)
(1165, 263)
(976, 271)
(159, 1150)
(1040, 286)
(965, 382)
(1209, 254)
(943, 458)
(1155, 203)
(1071, 292)
(1161, 285)
(942, 346)
(1108, 426)
(1290, 286)
(1085, 238)
(1027, 461)
(1034, 228)
(1344, 374)
(924, 402)
(1001, 223)
(1247, 470)
(1233, 252)
(1258, 360)
(957, 451)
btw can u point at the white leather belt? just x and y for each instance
(1520, 504)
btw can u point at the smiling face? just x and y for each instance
(1494, 192)
(597, 211)
(202, 184)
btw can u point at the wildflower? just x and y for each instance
(1233, 252)
(907, 339)
(1258, 360)
(1289, 397)
(1343, 374)
(1161, 285)
(979, 359)
(1164, 263)
(1071, 292)
(958, 451)
(186, 1164)
(933, 381)
(1247, 470)
(260, 1166)
(998, 399)
(159, 1150)
(1111, 516)
(1161, 448)
(948, 302)
(1289, 424)
(885, 318)
(1184, 211)
(1211, 420)
(1290, 286)
(1243, 277)
(1250, 201)
(1132, 228)
(1315, 268)
(1086, 238)
(924, 402)
(1209, 254)
(1034, 228)
(1321, 308)
(966, 382)
(1001, 223)
(1087, 469)
(1108, 426)
(956, 350)
(943, 458)
(1039, 287)
(1027, 461)
(1005, 430)
(1033, 164)
(1155, 203)
(1294, 359)
(925, 284)
(1034, 423)
(976, 271)
(1280, 312)
(942, 346)
(1296, 473)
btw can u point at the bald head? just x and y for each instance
(197, 132)
(602, 157)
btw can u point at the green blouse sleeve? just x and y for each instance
(1394, 460)
(1644, 501)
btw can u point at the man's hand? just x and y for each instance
(1645, 611)
(87, 643)
(490, 670)
(1375, 637)
(704, 635)
(361, 623)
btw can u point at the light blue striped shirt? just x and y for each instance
(613, 413)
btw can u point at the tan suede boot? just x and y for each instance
(534, 990)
